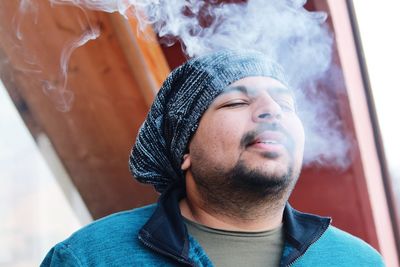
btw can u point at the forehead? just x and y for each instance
(258, 82)
(254, 85)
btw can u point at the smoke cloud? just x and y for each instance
(282, 29)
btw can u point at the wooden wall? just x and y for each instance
(112, 80)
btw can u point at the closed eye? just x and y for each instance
(235, 103)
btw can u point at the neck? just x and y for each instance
(259, 216)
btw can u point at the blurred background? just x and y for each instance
(76, 85)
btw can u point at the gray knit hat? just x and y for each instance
(187, 92)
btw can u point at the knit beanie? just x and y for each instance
(174, 116)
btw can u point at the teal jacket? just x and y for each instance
(156, 235)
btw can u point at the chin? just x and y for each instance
(272, 168)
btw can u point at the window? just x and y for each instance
(34, 212)
(377, 24)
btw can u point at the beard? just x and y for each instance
(241, 191)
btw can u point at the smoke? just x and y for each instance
(60, 93)
(282, 29)
(326, 143)
(53, 85)
(25, 6)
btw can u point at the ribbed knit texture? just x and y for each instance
(185, 95)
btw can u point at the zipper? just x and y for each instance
(315, 240)
(179, 259)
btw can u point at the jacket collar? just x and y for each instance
(301, 231)
(166, 233)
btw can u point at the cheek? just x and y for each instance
(219, 138)
(226, 132)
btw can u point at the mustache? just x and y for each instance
(250, 136)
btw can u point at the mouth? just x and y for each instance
(268, 141)
(269, 138)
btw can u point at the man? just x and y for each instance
(223, 144)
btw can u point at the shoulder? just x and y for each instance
(339, 239)
(112, 237)
(338, 248)
(115, 225)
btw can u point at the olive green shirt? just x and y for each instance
(227, 248)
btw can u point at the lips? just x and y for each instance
(268, 138)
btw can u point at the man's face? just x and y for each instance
(251, 126)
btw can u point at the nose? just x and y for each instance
(266, 109)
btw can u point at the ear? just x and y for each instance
(186, 162)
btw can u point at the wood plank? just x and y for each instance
(94, 138)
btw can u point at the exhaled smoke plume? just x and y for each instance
(56, 88)
(25, 6)
(60, 93)
(282, 29)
